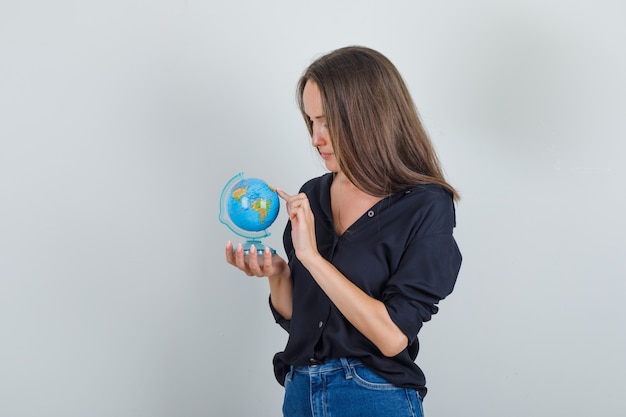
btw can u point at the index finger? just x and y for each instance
(283, 194)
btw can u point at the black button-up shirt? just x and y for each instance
(401, 252)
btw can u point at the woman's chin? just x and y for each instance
(332, 167)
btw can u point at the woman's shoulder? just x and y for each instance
(431, 203)
(431, 192)
(318, 183)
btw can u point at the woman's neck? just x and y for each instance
(348, 202)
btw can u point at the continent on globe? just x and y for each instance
(262, 206)
(238, 193)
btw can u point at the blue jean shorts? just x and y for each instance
(345, 387)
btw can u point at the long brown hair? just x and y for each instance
(376, 133)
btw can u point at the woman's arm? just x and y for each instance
(367, 314)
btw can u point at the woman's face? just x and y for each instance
(320, 138)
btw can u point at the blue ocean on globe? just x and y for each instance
(252, 204)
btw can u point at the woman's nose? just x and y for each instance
(316, 137)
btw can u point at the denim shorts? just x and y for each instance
(345, 387)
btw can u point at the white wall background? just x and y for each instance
(121, 120)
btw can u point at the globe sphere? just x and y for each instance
(252, 204)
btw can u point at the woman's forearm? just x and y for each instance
(281, 293)
(367, 314)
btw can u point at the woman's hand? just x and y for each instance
(252, 264)
(302, 225)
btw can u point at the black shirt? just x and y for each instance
(401, 252)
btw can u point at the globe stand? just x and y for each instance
(260, 247)
(253, 237)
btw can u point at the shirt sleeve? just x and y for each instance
(283, 322)
(426, 275)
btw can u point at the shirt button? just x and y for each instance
(320, 324)
(370, 213)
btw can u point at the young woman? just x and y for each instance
(369, 245)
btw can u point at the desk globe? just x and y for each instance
(249, 206)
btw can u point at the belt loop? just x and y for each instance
(346, 367)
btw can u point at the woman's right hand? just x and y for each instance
(252, 264)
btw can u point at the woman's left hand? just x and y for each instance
(302, 225)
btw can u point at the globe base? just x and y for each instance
(260, 247)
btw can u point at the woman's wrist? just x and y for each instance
(310, 262)
(283, 274)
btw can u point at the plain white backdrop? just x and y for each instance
(120, 121)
